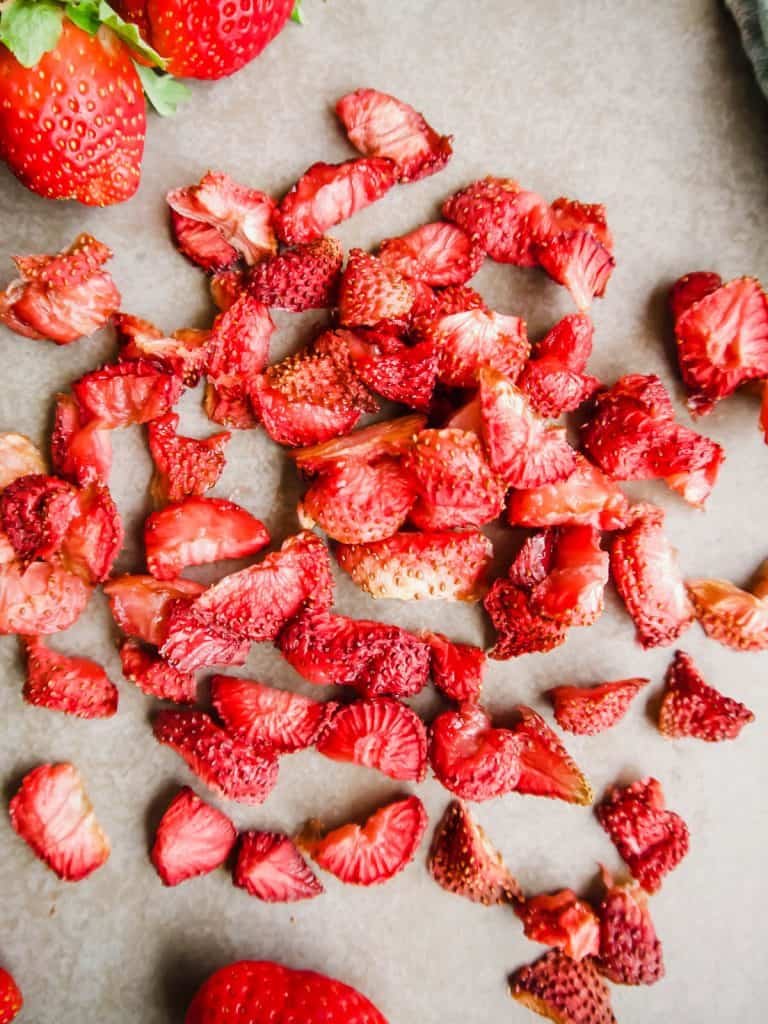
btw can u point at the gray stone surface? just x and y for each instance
(649, 108)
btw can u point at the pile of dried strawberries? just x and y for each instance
(402, 503)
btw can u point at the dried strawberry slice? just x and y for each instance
(60, 682)
(519, 630)
(570, 215)
(439, 254)
(462, 860)
(80, 453)
(691, 707)
(155, 676)
(199, 530)
(390, 437)
(534, 560)
(374, 295)
(577, 260)
(194, 641)
(394, 370)
(94, 537)
(239, 343)
(564, 990)
(52, 813)
(18, 457)
(184, 466)
(380, 733)
(124, 393)
(270, 867)
(71, 266)
(327, 194)
(264, 715)
(35, 514)
(11, 999)
(227, 401)
(231, 768)
(588, 710)
(587, 496)
(192, 839)
(183, 353)
(732, 616)
(546, 767)
(373, 657)
(630, 951)
(468, 340)
(227, 286)
(202, 244)
(379, 125)
(651, 840)
(471, 758)
(40, 599)
(521, 447)
(563, 921)
(457, 669)
(689, 288)
(439, 565)
(503, 219)
(552, 389)
(140, 604)
(305, 277)
(572, 591)
(374, 852)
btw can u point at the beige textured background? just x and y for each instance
(649, 108)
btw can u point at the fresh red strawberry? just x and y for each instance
(439, 254)
(11, 999)
(380, 733)
(62, 297)
(552, 389)
(389, 437)
(327, 194)
(519, 630)
(80, 453)
(199, 530)
(86, 157)
(305, 277)
(577, 260)
(374, 295)
(571, 215)
(379, 125)
(52, 813)
(94, 537)
(183, 353)
(355, 502)
(195, 641)
(732, 616)
(228, 285)
(633, 435)
(722, 341)
(270, 867)
(374, 852)
(468, 340)
(691, 707)
(456, 487)
(587, 497)
(192, 839)
(126, 393)
(572, 591)
(231, 768)
(241, 216)
(651, 839)
(689, 288)
(154, 675)
(630, 951)
(462, 860)
(140, 604)
(18, 457)
(396, 371)
(60, 682)
(457, 669)
(503, 219)
(521, 447)
(35, 514)
(373, 657)
(184, 466)
(40, 599)
(202, 243)
(546, 767)
(588, 710)
(257, 602)
(268, 991)
(471, 758)
(563, 921)
(564, 990)
(645, 570)
(439, 565)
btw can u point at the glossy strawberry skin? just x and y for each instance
(192, 839)
(11, 999)
(270, 867)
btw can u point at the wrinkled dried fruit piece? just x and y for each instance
(519, 630)
(35, 514)
(380, 733)
(572, 590)
(651, 840)
(577, 260)
(471, 758)
(722, 341)
(270, 867)
(570, 214)
(372, 657)
(202, 244)
(439, 254)
(467, 340)
(227, 286)
(183, 353)
(546, 767)
(390, 437)
(379, 125)
(61, 682)
(586, 496)
(52, 813)
(689, 288)
(263, 715)
(140, 604)
(564, 990)
(552, 389)
(305, 277)
(396, 371)
(462, 860)
(80, 454)
(457, 669)
(563, 921)
(374, 852)
(40, 599)
(327, 194)
(199, 530)
(183, 465)
(241, 216)
(691, 707)
(588, 710)
(192, 839)
(439, 565)
(18, 457)
(155, 676)
(239, 343)
(373, 295)
(630, 951)
(94, 537)
(193, 640)
(503, 219)
(11, 999)
(732, 616)
(231, 768)
(124, 393)
(645, 570)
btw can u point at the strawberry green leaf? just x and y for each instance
(297, 14)
(129, 34)
(30, 28)
(84, 14)
(165, 93)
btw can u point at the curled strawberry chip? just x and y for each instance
(534, 560)
(380, 733)
(439, 254)
(689, 288)
(141, 604)
(154, 675)
(563, 921)
(40, 599)
(374, 295)
(571, 215)
(566, 991)
(457, 669)
(473, 759)
(61, 682)
(690, 707)
(184, 466)
(18, 457)
(81, 453)
(183, 353)
(202, 244)
(630, 950)
(546, 767)
(730, 615)
(327, 194)
(305, 277)
(35, 514)
(379, 125)
(124, 393)
(519, 629)
(572, 590)
(237, 353)
(390, 368)
(439, 565)
(193, 640)
(94, 536)
(586, 497)
(468, 340)
(588, 710)
(500, 217)
(270, 867)
(192, 839)
(389, 437)
(552, 389)
(577, 260)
